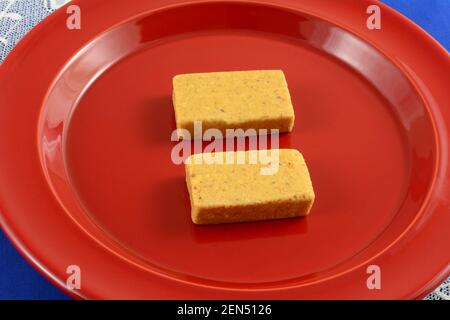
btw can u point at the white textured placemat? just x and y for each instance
(17, 17)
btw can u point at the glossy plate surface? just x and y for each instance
(86, 176)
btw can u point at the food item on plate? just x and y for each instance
(227, 187)
(233, 100)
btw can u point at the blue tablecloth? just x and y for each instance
(18, 280)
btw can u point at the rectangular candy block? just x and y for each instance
(231, 100)
(236, 191)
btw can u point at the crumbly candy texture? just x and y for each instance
(226, 193)
(230, 100)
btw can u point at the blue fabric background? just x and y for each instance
(18, 280)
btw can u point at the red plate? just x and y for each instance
(86, 176)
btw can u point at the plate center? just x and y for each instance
(118, 158)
